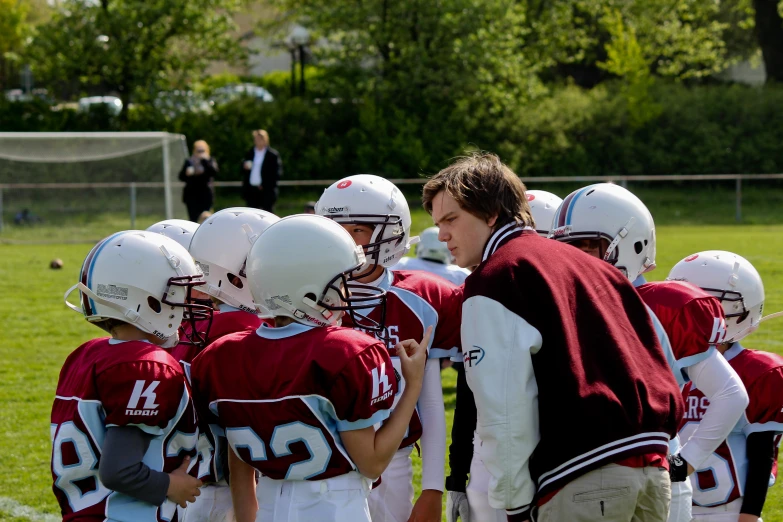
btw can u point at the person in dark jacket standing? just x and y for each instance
(261, 170)
(576, 402)
(198, 172)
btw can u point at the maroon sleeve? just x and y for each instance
(145, 394)
(699, 324)
(765, 410)
(447, 334)
(364, 391)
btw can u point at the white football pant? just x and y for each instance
(478, 490)
(213, 505)
(337, 499)
(392, 501)
(725, 513)
(682, 492)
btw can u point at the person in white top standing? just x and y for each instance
(433, 256)
(261, 170)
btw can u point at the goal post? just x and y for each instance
(44, 158)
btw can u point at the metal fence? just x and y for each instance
(133, 187)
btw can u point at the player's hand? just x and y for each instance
(457, 506)
(678, 468)
(413, 357)
(427, 507)
(182, 487)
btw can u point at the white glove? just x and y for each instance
(457, 506)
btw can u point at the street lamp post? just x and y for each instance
(300, 37)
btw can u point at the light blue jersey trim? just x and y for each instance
(776, 427)
(685, 362)
(378, 416)
(283, 332)
(639, 281)
(427, 316)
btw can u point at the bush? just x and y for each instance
(708, 129)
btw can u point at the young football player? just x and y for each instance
(471, 498)
(610, 223)
(732, 483)
(123, 425)
(220, 247)
(376, 214)
(299, 402)
(432, 256)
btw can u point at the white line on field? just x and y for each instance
(12, 507)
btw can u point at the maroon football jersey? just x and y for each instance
(692, 319)
(106, 383)
(722, 479)
(414, 301)
(283, 395)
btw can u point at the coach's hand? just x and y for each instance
(457, 506)
(427, 507)
(413, 357)
(182, 487)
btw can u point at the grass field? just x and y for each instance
(39, 331)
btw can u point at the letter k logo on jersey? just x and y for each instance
(148, 392)
(381, 388)
(718, 330)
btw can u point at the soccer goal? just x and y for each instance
(51, 179)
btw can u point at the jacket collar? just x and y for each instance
(502, 236)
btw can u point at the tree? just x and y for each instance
(14, 30)
(134, 47)
(769, 30)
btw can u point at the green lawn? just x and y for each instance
(39, 331)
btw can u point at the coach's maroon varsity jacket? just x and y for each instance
(565, 366)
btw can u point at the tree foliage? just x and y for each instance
(134, 47)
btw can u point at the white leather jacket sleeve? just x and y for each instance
(497, 347)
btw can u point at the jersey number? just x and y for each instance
(86, 466)
(722, 483)
(282, 437)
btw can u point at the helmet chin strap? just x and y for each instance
(619, 237)
(129, 316)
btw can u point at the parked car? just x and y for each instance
(112, 103)
(232, 92)
(173, 103)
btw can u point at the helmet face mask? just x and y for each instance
(194, 310)
(388, 231)
(358, 301)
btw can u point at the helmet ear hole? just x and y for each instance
(638, 247)
(311, 296)
(235, 280)
(154, 304)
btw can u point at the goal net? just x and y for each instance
(81, 186)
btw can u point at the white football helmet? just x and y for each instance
(432, 248)
(733, 280)
(371, 200)
(607, 211)
(299, 268)
(179, 230)
(141, 278)
(220, 247)
(543, 206)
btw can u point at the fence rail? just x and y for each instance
(622, 180)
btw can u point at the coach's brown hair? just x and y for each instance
(483, 186)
